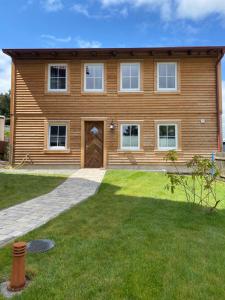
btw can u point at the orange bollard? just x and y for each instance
(18, 279)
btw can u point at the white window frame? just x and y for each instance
(49, 135)
(121, 137)
(167, 89)
(176, 137)
(49, 78)
(139, 77)
(103, 76)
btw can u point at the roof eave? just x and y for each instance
(32, 52)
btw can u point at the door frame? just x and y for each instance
(93, 119)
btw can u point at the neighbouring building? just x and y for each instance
(115, 107)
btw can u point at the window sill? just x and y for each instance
(166, 150)
(178, 92)
(130, 151)
(66, 93)
(92, 93)
(56, 151)
(125, 93)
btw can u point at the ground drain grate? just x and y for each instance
(37, 246)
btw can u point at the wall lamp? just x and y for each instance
(112, 125)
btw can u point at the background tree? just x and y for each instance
(5, 106)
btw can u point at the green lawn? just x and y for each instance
(17, 188)
(132, 240)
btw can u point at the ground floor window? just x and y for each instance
(130, 136)
(57, 137)
(167, 136)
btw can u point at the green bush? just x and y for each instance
(200, 186)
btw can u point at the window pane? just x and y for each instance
(53, 141)
(162, 69)
(163, 142)
(57, 136)
(57, 77)
(98, 71)
(130, 136)
(134, 136)
(126, 130)
(62, 83)
(171, 130)
(162, 83)
(54, 130)
(53, 83)
(125, 70)
(126, 136)
(134, 82)
(54, 71)
(171, 70)
(171, 82)
(89, 83)
(134, 70)
(171, 142)
(62, 71)
(98, 83)
(126, 83)
(126, 141)
(94, 75)
(62, 141)
(89, 71)
(62, 130)
(162, 131)
(134, 130)
(134, 141)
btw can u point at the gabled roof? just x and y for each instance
(113, 52)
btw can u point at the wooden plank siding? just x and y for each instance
(196, 100)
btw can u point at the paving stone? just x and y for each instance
(22, 218)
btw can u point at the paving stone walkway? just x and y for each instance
(22, 218)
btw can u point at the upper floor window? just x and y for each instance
(166, 76)
(57, 137)
(94, 77)
(130, 136)
(167, 136)
(57, 77)
(130, 77)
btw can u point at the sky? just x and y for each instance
(109, 23)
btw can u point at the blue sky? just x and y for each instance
(108, 23)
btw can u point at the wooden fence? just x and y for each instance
(220, 161)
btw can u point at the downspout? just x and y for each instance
(218, 102)
(12, 111)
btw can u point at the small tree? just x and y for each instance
(200, 186)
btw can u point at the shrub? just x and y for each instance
(200, 186)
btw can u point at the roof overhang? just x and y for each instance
(113, 52)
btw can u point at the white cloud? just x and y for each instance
(56, 39)
(53, 41)
(27, 4)
(87, 44)
(175, 9)
(52, 5)
(103, 13)
(5, 72)
(124, 12)
(199, 9)
(165, 6)
(81, 9)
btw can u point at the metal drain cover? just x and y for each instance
(37, 246)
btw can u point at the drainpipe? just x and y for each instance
(218, 101)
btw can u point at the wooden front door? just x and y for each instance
(94, 144)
